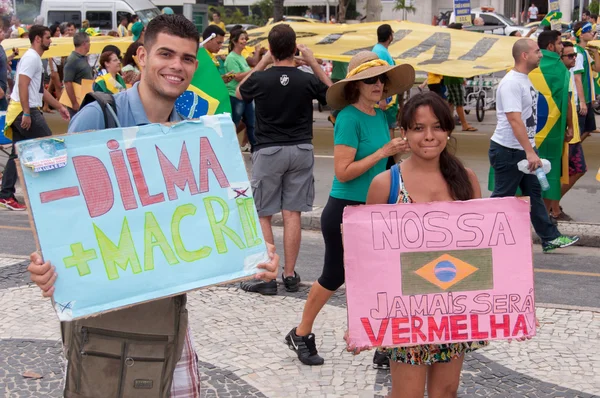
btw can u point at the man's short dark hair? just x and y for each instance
(384, 32)
(174, 25)
(547, 37)
(282, 41)
(567, 43)
(586, 12)
(216, 12)
(37, 31)
(455, 25)
(69, 24)
(134, 17)
(124, 18)
(80, 38)
(594, 16)
(212, 29)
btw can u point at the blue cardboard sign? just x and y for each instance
(462, 12)
(141, 213)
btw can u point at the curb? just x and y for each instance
(588, 233)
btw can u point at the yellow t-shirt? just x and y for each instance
(220, 25)
(129, 28)
(432, 78)
(214, 59)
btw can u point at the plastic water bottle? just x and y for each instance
(541, 176)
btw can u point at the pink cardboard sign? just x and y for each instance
(432, 273)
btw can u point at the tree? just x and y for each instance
(594, 7)
(342, 8)
(406, 6)
(277, 10)
(373, 9)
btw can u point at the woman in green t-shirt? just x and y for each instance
(362, 146)
(236, 65)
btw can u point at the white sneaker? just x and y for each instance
(245, 148)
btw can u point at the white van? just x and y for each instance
(104, 15)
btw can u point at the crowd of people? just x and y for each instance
(58, 77)
(367, 158)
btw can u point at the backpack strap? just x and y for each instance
(395, 184)
(107, 105)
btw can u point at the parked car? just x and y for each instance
(564, 26)
(245, 26)
(503, 24)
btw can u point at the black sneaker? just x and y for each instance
(381, 360)
(292, 283)
(305, 347)
(266, 288)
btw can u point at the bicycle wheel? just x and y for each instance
(480, 107)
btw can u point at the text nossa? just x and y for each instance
(97, 187)
(432, 230)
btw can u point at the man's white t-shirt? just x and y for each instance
(31, 66)
(533, 12)
(515, 94)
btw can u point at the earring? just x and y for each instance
(448, 138)
(404, 138)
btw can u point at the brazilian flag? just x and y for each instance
(552, 80)
(207, 93)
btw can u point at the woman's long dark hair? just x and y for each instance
(234, 37)
(452, 168)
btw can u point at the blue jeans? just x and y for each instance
(508, 178)
(241, 109)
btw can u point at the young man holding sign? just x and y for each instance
(168, 61)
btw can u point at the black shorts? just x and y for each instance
(439, 89)
(587, 123)
(333, 275)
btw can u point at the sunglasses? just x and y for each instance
(570, 56)
(372, 80)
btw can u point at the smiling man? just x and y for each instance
(168, 62)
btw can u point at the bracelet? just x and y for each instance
(26, 114)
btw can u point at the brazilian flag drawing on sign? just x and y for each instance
(446, 271)
(207, 93)
(551, 79)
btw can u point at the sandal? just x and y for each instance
(470, 128)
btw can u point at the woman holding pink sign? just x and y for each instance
(362, 145)
(430, 174)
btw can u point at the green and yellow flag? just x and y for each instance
(551, 79)
(446, 271)
(207, 93)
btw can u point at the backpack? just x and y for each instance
(107, 105)
(130, 352)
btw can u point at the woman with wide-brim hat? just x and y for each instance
(362, 145)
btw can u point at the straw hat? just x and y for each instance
(367, 64)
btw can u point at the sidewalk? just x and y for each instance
(239, 338)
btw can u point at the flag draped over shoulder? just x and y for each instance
(207, 93)
(551, 79)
